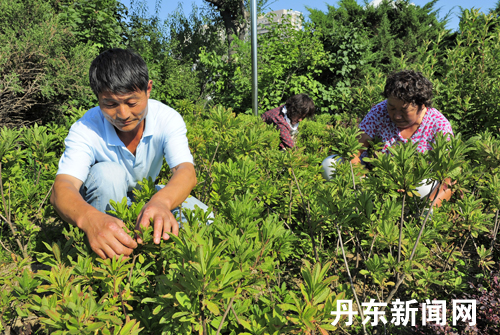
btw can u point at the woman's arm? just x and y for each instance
(363, 139)
(444, 192)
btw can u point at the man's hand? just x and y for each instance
(106, 235)
(163, 220)
(105, 232)
(172, 195)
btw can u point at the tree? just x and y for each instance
(394, 28)
(43, 67)
(98, 22)
(496, 10)
(236, 18)
(173, 75)
(202, 29)
(290, 61)
(468, 90)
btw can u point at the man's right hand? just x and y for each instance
(107, 236)
(105, 232)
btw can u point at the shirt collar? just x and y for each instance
(149, 130)
(292, 126)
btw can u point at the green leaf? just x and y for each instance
(179, 314)
(157, 309)
(183, 299)
(245, 324)
(212, 307)
(130, 328)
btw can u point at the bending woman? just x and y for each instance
(286, 118)
(406, 114)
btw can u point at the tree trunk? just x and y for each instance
(235, 18)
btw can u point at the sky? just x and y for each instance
(168, 6)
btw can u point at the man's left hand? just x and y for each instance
(172, 195)
(164, 221)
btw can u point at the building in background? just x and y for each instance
(264, 22)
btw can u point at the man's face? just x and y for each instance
(125, 111)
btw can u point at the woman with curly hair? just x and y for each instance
(406, 115)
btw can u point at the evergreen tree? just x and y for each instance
(496, 10)
(393, 27)
(43, 65)
(386, 42)
(236, 18)
(97, 22)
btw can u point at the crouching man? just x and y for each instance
(113, 147)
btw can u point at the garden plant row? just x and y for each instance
(284, 246)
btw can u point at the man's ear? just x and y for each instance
(150, 86)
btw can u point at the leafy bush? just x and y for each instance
(98, 23)
(42, 66)
(486, 295)
(388, 30)
(290, 62)
(284, 245)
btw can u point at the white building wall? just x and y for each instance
(263, 22)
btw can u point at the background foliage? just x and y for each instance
(340, 58)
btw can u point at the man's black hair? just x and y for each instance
(300, 106)
(118, 71)
(409, 86)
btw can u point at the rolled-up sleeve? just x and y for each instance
(78, 155)
(371, 122)
(176, 148)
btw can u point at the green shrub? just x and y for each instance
(42, 66)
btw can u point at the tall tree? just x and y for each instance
(236, 18)
(203, 28)
(289, 63)
(496, 10)
(393, 27)
(155, 40)
(98, 22)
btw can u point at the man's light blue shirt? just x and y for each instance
(93, 139)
